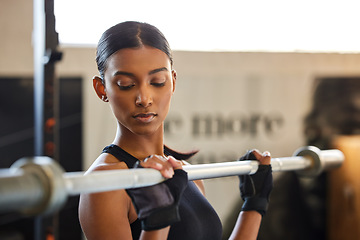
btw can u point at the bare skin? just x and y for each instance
(138, 84)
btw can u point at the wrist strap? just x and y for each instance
(258, 204)
(161, 218)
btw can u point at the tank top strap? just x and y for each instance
(121, 155)
(126, 157)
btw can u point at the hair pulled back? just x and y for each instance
(129, 34)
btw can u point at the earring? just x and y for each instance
(104, 98)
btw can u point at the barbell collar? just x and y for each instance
(320, 160)
(44, 174)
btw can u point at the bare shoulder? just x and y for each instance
(106, 215)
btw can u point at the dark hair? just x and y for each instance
(129, 35)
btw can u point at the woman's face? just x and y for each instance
(139, 84)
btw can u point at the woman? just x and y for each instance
(137, 80)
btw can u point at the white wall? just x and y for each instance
(15, 37)
(230, 88)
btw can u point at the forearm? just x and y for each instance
(247, 226)
(155, 234)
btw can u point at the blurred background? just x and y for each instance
(271, 75)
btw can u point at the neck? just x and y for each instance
(140, 146)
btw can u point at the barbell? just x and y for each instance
(39, 185)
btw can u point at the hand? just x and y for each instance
(157, 205)
(166, 165)
(255, 189)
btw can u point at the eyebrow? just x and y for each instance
(158, 70)
(124, 73)
(132, 75)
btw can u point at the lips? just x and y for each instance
(145, 117)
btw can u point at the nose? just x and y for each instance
(144, 97)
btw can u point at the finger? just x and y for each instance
(257, 154)
(150, 162)
(176, 164)
(159, 163)
(266, 158)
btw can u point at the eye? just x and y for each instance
(158, 84)
(124, 83)
(128, 87)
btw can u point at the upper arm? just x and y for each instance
(200, 185)
(106, 215)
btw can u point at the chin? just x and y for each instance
(147, 131)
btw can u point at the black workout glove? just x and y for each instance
(255, 189)
(157, 205)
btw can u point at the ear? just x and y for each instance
(173, 75)
(100, 88)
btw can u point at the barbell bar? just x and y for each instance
(39, 185)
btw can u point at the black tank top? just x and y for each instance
(199, 221)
